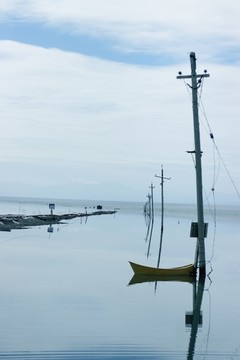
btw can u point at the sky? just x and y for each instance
(90, 107)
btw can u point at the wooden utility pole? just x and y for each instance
(195, 84)
(162, 213)
(152, 219)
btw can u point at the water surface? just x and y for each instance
(65, 295)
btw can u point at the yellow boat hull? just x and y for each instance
(187, 270)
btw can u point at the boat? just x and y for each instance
(174, 274)
(198, 228)
(147, 270)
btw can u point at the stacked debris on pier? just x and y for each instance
(9, 222)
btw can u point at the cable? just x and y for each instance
(230, 177)
(201, 107)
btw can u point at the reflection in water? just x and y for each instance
(141, 278)
(193, 319)
(45, 292)
(115, 352)
(16, 222)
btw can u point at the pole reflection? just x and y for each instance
(194, 318)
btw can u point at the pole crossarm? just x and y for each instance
(162, 177)
(190, 76)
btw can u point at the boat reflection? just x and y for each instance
(141, 278)
(193, 319)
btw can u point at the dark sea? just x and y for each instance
(65, 294)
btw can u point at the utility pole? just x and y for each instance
(194, 86)
(162, 213)
(152, 219)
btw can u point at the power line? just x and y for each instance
(201, 107)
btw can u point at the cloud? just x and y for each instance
(72, 104)
(102, 121)
(65, 115)
(150, 26)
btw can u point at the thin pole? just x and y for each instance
(149, 216)
(200, 252)
(201, 245)
(162, 218)
(152, 220)
(162, 215)
(152, 203)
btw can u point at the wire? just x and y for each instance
(201, 107)
(209, 323)
(216, 169)
(229, 175)
(216, 166)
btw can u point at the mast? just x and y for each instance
(198, 165)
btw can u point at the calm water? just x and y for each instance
(65, 295)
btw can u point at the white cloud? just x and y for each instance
(66, 116)
(134, 11)
(171, 27)
(109, 123)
